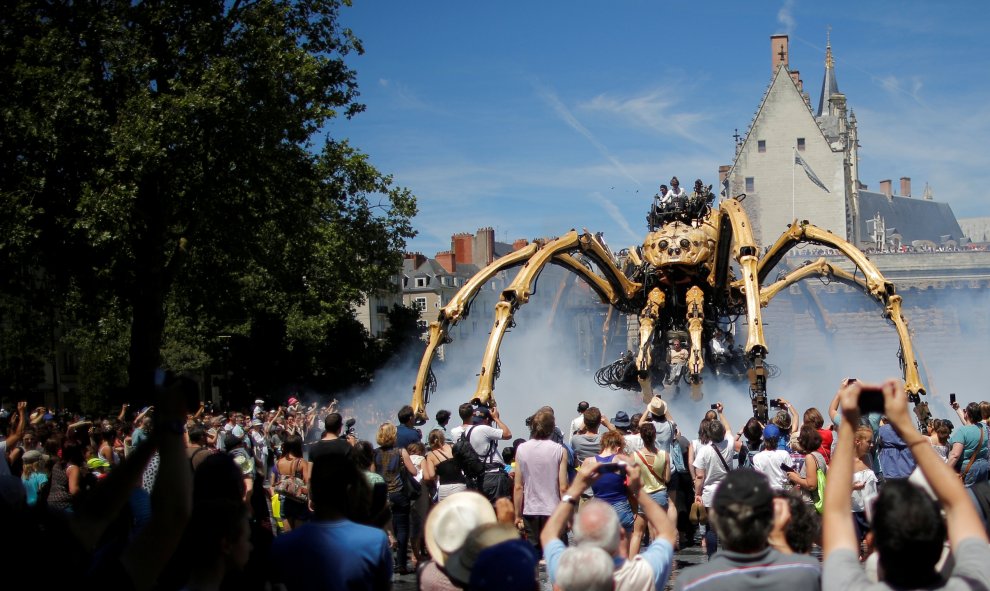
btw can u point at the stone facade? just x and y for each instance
(777, 190)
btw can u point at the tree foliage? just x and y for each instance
(163, 163)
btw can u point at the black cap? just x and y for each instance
(744, 487)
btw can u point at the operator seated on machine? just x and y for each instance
(717, 347)
(678, 363)
(659, 209)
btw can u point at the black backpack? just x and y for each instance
(467, 459)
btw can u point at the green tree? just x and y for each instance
(164, 162)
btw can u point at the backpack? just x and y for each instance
(467, 459)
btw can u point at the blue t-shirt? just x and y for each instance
(405, 435)
(969, 437)
(32, 484)
(333, 555)
(896, 459)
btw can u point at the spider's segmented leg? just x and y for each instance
(695, 318)
(647, 325)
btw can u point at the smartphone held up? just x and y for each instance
(870, 399)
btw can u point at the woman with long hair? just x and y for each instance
(292, 464)
(654, 472)
(440, 469)
(806, 477)
(67, 480)
(389, 463)
(611, 484)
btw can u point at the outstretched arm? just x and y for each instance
(586, 475)
(837, 527)
(15, 437)
(961, 517)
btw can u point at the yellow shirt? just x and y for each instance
(651, 483)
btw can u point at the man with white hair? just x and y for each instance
(597, 525)
(585, 568)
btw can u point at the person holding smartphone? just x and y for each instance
(909, 530)
(774, 463)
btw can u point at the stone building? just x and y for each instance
(800, 160)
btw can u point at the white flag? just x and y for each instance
(807, 170)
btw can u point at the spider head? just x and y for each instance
(678, 244)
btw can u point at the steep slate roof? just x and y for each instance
(829, 84)
(914, 219)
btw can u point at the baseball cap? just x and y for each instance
(33, 456)
(481, 415)
(744, 487)
(771, 430)
(293, 400)
(258, 401)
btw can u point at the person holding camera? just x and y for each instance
(331, 444)
(598, 525)
(711, 466)
(909, 530)
(611, 486)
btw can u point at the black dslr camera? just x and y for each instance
(349, 429)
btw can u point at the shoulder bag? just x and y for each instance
(292, 486)
(972, 458)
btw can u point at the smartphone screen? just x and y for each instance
(786, 468)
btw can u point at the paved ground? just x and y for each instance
(682, 559)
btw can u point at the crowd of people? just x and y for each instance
(291, 497)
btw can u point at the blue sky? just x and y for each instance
(538, 117)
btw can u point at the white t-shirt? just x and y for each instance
(768, 462)
(862, 497)
(481, 439)
(706, 459)
(576, 425)
(634, 442)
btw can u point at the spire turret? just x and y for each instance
(829, 85)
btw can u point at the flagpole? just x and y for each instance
(793, 163)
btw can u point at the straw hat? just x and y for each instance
(486, 535)
(657, 406)
(452, 519)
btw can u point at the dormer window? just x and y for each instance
(422, 281)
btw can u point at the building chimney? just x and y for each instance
(418, 258)
(462, 244)
(905, 186)
(519, 244)
(796, 77)
(779, 51)
(885, 187)
(484, 247)
(447, 260)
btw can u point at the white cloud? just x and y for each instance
(565, 114)
(656, 110)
